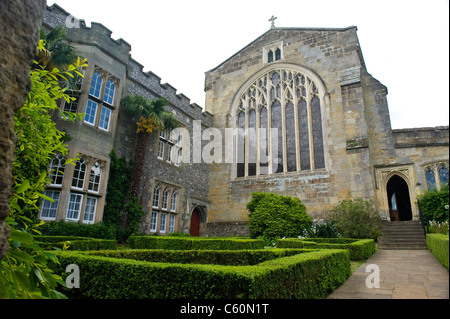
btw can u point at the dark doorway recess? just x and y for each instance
(399, 199)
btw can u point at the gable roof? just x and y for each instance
(284, 29)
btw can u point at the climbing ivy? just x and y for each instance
(122, 210)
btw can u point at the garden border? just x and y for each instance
(359, 249)
(438, 244)
(193, 243)
(309, 275)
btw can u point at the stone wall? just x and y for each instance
(19, 34)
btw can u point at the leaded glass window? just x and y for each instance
(79, 174)
(96, 85)
(443, 175)
(286, 106)
(431, 180)
(57, 168)
(109, 92)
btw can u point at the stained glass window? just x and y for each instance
(443, 175)
(290, 103)
(431, 180)
(241, 146)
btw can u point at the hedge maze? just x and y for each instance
(206, 268)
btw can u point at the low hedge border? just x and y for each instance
(193, 243)
(438, 245)
(75, 242)
(215, 257)
(309, 275)
(359, 249)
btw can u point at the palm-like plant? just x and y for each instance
(153, 115)
(57, 51)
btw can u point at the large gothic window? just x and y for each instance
(279, 123)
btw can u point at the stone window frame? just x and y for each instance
(48, 206)
(74, 207)
(273, 47)
(158, 212)
(435, 168)
(86, 191)
(105, 102)
(72, 105)
(91, 220)
(57, 169)
(170, 147)
(316, 88)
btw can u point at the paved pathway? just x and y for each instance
(404, 274)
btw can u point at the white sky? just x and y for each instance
(405, 43)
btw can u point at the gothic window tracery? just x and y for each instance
(289, 127)
(436, 175)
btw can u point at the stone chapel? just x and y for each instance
(312, 123)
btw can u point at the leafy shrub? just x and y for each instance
(438, 227)
(275, 216)
(356, 219)
(62, 228)
(24, 272)
(438, 245)
(321, 229)
(433, 204)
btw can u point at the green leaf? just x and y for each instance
(20, 236)
(46, 197)
(21, 256)
(38, 274)
(23, 187)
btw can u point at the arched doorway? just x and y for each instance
(195, 223)
(398, 198)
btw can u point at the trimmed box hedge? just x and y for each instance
(308, 275)
(359, 249)
(438, 245)
(193, 243)
(75, 242)
(215, 257)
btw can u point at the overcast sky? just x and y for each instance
(405, 43)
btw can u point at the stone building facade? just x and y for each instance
(334, 136)
(306, 120)
(170, 191)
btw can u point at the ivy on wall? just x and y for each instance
(122, 210)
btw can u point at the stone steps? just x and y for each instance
(402, 235)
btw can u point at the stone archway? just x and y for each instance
(399, 200)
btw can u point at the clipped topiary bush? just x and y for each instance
(438, 245)
(275, 216)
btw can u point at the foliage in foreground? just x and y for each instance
(24, 272)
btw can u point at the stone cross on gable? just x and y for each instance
(272, 19)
